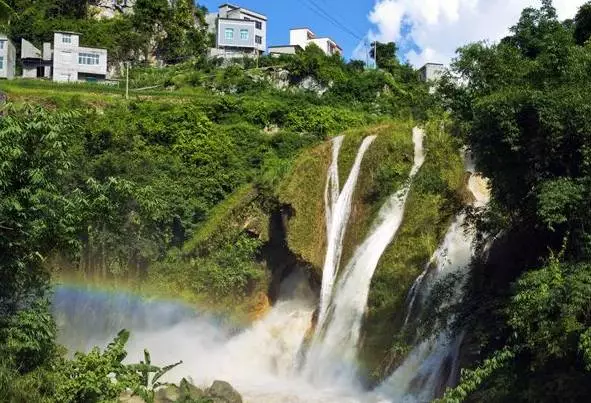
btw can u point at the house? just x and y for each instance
(35, 63)
(431, 72)
(238, 32)
(302, 37)
(7, 58)
(72, 62)
(66, 61)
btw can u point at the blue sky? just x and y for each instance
(425, 30)
(286, 14)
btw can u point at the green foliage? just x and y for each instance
(472, 379)
(384, 54)
(156, 27)
(583, 24)
(97, 376)
(523, 109)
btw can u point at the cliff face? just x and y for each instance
(110, 8)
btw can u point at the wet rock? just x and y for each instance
(223, 392)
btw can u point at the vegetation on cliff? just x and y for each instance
(524, 111)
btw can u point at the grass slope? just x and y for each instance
(303, 190)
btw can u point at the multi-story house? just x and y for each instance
(238, 31)
(7, 58)
(66, 61)
(302, 37)
(72, 62)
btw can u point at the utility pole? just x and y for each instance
(126, 80)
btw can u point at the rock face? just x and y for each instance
(223, 392)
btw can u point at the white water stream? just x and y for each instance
(332, 355)
(337, 213)
(432, 365)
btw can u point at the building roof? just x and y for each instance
(432, 64)
(67, 32)
(245, 11)
(301, 28)
(3, 36)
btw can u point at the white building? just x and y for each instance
(7, 58)
(302, 37)
(66, 61)
(72, 62)
(431, 72)
(238, 31)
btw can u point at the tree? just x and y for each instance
(583, 24)
(386, 54)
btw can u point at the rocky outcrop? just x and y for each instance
(186, 392)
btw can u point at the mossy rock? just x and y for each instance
(223, 392)
(168, 394)
(303, 191)
(189, 393)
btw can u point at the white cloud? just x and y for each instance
(439, 27)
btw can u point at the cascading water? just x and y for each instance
(337, 213)
(332, 354)
(433, 364)
(262, 362)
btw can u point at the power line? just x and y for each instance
(318, 10)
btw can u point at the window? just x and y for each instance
(91, 59)
(2, 44)
(1, 62)
(258, 39)
(244, 34)
(258, 24)
(66, 38)
(229, 34)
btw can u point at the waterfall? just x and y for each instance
(332, 354)
(264, 361)
(433, 363)
(337, 213)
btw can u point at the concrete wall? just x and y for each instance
(432, 72)
(283, 50)
(237, 26)
(300, 37)
(28, 51)
(8, 54)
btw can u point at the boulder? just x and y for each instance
(189, 391)
(223, 392)
(168, 394)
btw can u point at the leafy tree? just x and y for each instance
(384, 54)
(582, 24)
